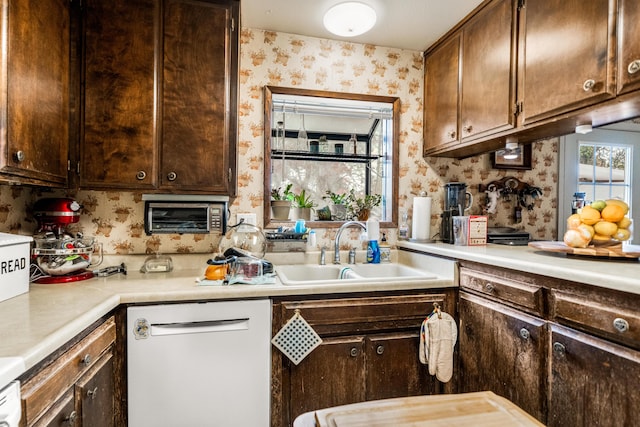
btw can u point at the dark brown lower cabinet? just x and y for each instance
(593, 381)
(369, 351)
(502, 350)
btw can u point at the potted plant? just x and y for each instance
(360, 207)
(281, 202)
(339, 207)
(303, 204)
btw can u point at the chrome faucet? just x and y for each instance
(336, 255)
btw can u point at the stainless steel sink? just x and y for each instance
(310, 274)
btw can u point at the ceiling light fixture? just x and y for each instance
(584, 129)
(349, 19)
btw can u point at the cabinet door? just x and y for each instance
(502, 350)
(567, 55)
(628, 45)
(394, 368)
(332, 374)
(196, 123)
(441, 96)
(34, 93)
(593, 382)
(118, 148)
(488, 71)
(95, 394)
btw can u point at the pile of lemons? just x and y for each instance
(600, 222)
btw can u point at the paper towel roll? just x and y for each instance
(421, 221)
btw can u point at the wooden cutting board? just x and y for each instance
(467, 409)
(616, 251)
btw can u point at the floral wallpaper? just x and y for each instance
(279, 59)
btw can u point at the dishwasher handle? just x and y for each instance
(199, 327)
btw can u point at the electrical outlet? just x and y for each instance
(249, 218)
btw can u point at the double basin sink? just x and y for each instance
(309, 274)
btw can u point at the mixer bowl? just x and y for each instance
(57, 257)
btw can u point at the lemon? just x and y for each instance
(622, 234)
(605, 228)
(589, 215)
(624, 223)
(618, 202)
(587, 230)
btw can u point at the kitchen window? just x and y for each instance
(601, 165)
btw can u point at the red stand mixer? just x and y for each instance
(60, 255)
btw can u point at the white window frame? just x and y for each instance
(568, 173)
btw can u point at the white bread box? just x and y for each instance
(15, 256)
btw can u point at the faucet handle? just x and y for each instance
(352, 256)
(323, 252)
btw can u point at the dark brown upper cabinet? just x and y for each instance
(35, 76)
(160, 95)
(628, 46)
(566, 56)
(470, 80)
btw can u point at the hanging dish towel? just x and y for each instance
(438, 336)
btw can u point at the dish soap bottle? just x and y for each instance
(385, 249)
(373, 234)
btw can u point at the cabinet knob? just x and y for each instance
(171, 176)
(634, 66)
(380, 349)
(18, 156)
(86, 360)
(354, 352)
(620, 324)
(141, 175)
(489, 287)
(451, 134)
(588, 85)
(92, 393)
(559, 349)
(467, 129)
(524, 334)
(71, 419)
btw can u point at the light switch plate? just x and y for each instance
(249, 218)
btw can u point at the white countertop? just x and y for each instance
(35, 324)
(621, 275)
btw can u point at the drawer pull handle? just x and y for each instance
(620, 324)
(588, 85)
(354, 352)
(19, 156)
(489, 287)
(92, 393)
(86, 360)
(559, 349)
(141, 175)
(380, 349)
(171, 176)
(71, 419)
(634, 66)
(524, 334)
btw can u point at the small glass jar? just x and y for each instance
(278, 142)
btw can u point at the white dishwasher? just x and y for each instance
(200, 364)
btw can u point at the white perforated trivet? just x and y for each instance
(296, 339)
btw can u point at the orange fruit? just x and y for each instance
(589, 215)
(605, 228)
(618, 202)
(599, 238)
(612, 213)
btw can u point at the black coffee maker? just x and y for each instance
(456, 200)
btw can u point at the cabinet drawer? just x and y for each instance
(364, 313)
(617, 323)
(524, 295)
(39, 392)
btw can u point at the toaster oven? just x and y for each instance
(185, 214)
